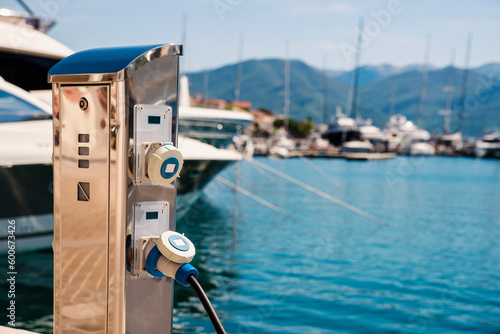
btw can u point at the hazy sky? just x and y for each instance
(395, 30)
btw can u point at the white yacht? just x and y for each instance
(449, 144)
(342, 130)
(375, 136)
(488, 147)
(357, 146)
(280, 146)
(212, 126)
(356, 135)
(407, 138)
(26, 53)
(422, 149)
(25, 168)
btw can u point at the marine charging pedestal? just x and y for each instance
(115, 114)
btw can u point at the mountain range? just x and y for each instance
(382, 89)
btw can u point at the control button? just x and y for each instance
(83, 163)
(83, 151)
(83, 138)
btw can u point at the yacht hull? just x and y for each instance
(487, 149)
(27, 200)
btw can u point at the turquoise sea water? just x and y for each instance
(428, 263)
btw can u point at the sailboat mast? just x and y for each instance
(449, 94)
(465, 76)
(286, 106)
(239, 68)
(206, 77)
(324, 84)
(354, 105)
(392, 107)
(423, 83)
(183, 42)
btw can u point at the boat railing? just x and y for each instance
(22, 19)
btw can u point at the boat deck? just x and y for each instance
(10, 330)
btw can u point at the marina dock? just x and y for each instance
(335, 153)
(368, 156)
(348, 156)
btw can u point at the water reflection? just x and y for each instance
(436, 263)
(208, 226)
(34, 292)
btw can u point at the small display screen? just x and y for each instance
(154, 119)
(152, 215)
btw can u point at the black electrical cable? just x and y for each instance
(193, 282)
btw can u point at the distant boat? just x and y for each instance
(342, 129)
(449, 144)
(314, 142)
(280, 146)
(422, 149)
(488, 147)
(357, 146)
(405, 135)
(375, 136)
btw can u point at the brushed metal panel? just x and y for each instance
(81, 225)
(149, 301)
(118, 155)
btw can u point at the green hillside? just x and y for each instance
(262, 83)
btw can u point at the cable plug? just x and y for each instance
(171, 256)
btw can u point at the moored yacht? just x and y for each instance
(26, 52)
(356, 135)
(212, 126)
(357, 146)
(342, 130)
(407, 138)
(25, 168)
(488, 147)
(422, 149)
(375, 136)
(449, 144)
